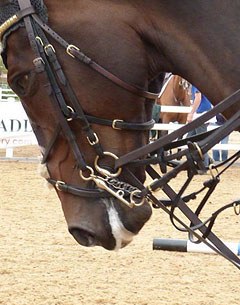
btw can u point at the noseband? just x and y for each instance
(106, 180)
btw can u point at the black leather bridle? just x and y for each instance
(106, 180)
(46, 62)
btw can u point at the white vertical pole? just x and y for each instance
(9, 152)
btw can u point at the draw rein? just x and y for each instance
(107, 182)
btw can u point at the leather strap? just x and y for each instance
(192, 154)
(218, 247)
(77, 191)
(147, 149)
(119, 124)
(77, 53)
(29, 10)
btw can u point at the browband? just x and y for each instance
(15, 19)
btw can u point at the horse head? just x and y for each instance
(86, 117)
(70, 107)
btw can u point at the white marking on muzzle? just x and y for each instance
(120, 233)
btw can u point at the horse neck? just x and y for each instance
(177, 35)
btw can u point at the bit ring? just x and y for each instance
(104, 171)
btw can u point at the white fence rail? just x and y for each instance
(175, 109)
(234, 144)
(15, 129)
(8, 95)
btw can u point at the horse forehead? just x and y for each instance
(19, 51)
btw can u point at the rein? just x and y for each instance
(106, 180)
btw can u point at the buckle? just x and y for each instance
(49, 47)
(71, 46)
(94, 142)
(39, 64)
(58, 185)
(39, 40)
(115, 122)
(71, 112)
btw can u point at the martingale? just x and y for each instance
(26, 13)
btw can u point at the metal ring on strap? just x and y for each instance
(58, 184)
(72, 112)
(199, 151)
(104, 171)
(90, 175)
(236, 207)
(134, 194)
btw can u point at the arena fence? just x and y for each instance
(7, 95)
(15, 129)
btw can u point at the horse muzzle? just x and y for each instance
(113, 229)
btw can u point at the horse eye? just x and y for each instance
(24, 84)
(21, 84)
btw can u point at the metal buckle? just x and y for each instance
(58, 184)
(39, 39)
(96, 141)
(38, 60)
(114, 124)
(49, 46)
(71, 46)
(39, 64)
(72, 111)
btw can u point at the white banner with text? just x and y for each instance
(15, 128)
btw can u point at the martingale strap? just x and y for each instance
(175, 201)
(165, 140)
(214, 242)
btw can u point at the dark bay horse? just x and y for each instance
(135, 41)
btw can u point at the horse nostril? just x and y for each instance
(83, 237)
